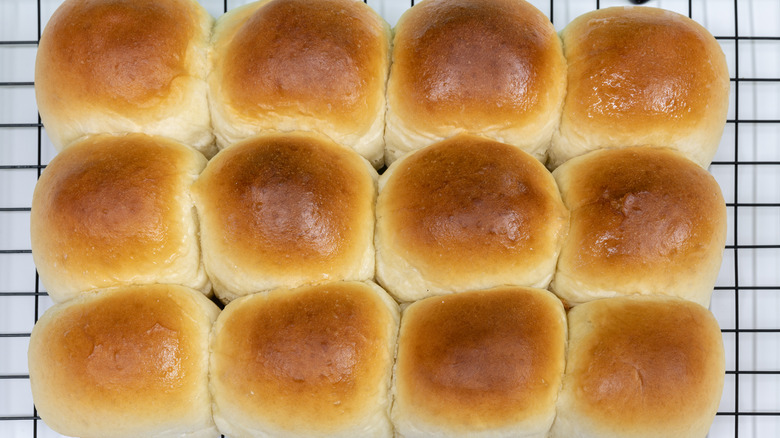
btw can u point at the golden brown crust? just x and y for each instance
(285, 194)
(640, 212)
(480, 360)
(642, 364)
(467, 194)
(120, 66)
(134, 352)
(444, 53)
(471, 206)
(323, 59)
(281, 190)
(639, 75)
(94, 48)
(130, 344)
(96, 198)
(111, 210)
(296, 208)
(609, 81)
(307, 359)
(636, 205)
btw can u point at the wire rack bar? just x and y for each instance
(736, 220)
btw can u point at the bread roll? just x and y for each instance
(128, 361)
(488, 67)
(284, 211)
(114, 210)
(640, 367)
(313, 361)
(641, 76)
(480, 364)
(287, 65)
(643, 221)
(467, 213)
(119, 66)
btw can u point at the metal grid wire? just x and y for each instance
(746, 300)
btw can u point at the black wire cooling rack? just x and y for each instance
(746, 300)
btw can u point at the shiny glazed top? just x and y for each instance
(325, 59)
(641, 67)
(304, 359)
(292, 203)
(474, 205)
(635, 360)
(481, 360)
(124, 54)
(111, 208)
(475, 64)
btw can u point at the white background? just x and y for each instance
(746, 301)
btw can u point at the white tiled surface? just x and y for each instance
(751, 322)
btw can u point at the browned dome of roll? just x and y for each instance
(125, 362)
(487, 362)
(641, 367)
(120, 66)
(109, 71)
(643, 221)
(484, 67)
(283, 211)
(642, 76)
(114, 210)
(302, 65)
(290, 76)
(467, 213)
(312, 360)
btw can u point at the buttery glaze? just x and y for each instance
(292, 57)
(642, 356)
(276, 200)
(458, 200)
(314, 354)
(472, 61)
(508, 342)
(641, 66)
(99, 52)
(656, 214)
(126, 346)
(109, 200)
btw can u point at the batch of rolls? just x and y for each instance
(536, 258)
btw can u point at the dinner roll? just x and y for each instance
(643, 221)
(479, 364)
(641, 76)
(286, 65)
(314, 361)
(114, 210)
(285, 210)
(119, 66)
(488, 67)
(640, 367)
(467, 213)
(129, 361)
